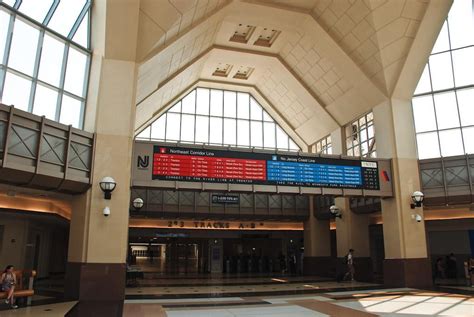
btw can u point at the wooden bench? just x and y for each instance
(24, 285)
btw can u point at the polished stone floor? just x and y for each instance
(370, 302)
(262, 296)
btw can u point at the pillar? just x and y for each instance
(98, 244)
(352, 232)
(317, 246)
(406, 261)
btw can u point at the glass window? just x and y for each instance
(460, 20)
(51, 60)
(256, 111)
(75, 72)
(218, 117)
(442, 43)
(187, 128)
(446, 110)
(188, 103)
(269, 135)
(173, 126)
(82, 34)
(176, 107)
(144, 135)
(463, 66)
(256, 128)
(450, 64)
(281, 138)
(243, 106)
(468, 135)
(423, 113)
(202, 129)
(230, 104)
(243, 137)
(13, 84)
(202, 104)
(360, 139)
(37, 55)
(66, 15)
(4, 21)
(158, 128)
(441, 71)
(424, 85)
(230, 131)
(70, 111)
(23, 47)
(466, 106)
(36, 9)
(45, 102)
(216, 102)
(216, 131)
(451, 142)
(428, 146)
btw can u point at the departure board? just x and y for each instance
(203, 165)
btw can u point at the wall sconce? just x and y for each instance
(335, 211)
(417, 198)
(137, 203)
(107, 184)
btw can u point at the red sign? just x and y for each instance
(208, 167)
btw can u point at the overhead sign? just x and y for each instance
(217, 166)
(225, 199)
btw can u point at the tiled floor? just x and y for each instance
(387, 302)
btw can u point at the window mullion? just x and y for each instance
(34, 80)
(50, 13)
(6, 54)
(79, 19)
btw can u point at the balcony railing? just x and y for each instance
(39, 153)
(448, 180)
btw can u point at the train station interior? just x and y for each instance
(236, 158)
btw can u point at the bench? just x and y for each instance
(23, 278)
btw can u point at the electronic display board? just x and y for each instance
(218, 166)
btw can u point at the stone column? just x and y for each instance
(406, 259)
(98, 244)
(317, 245)
(352, 232)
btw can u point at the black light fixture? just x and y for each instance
(137, 203)
(107, 184)
(417, 197)
(335, 211)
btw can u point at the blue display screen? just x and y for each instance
(307, 174)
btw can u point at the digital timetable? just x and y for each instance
(203, 165)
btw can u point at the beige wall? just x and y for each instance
(12, 249)
(111, 115)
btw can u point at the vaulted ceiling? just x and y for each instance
(316, 63)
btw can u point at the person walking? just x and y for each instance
(8, 282)
(350, 265)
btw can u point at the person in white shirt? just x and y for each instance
(350, 265)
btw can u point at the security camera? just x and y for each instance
(417, 217)
(106, 211)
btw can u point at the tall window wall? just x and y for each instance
(360, 137)
(443, 104)
(323, 146)
(45, 57)
(219, 117)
